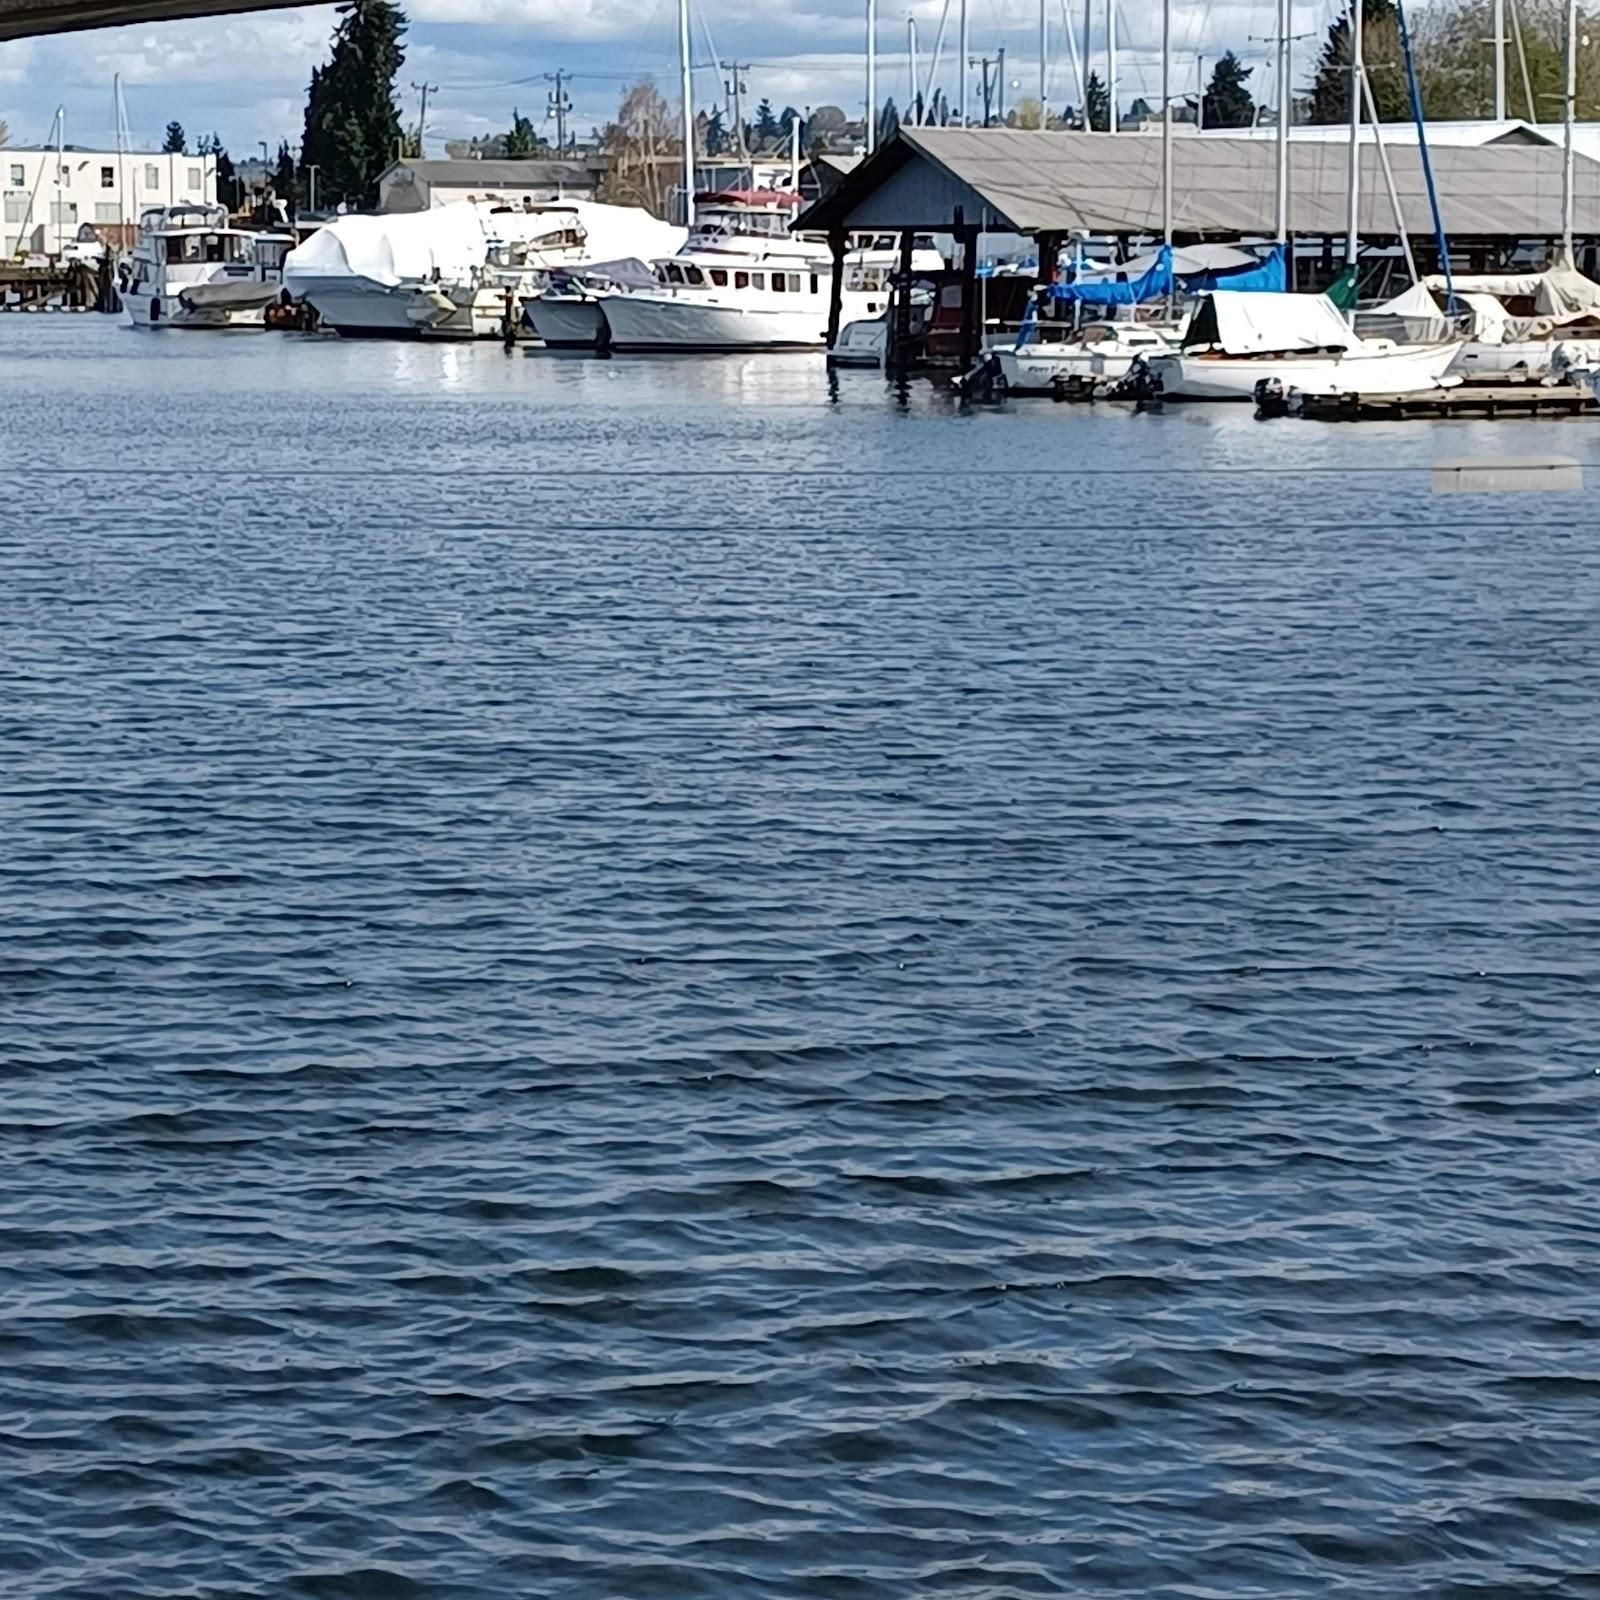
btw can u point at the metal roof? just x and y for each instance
(1101, 183)
(22, 19)
(534, 173)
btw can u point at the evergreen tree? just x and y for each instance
(228, 192)
(715, 133)
(1097, 105)
(888, 121)
(283, 175)
(177, 143)
(766, 127)
(1228, 102)
(352, 128)
(521, 141)
(1380, 51)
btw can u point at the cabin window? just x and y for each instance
(672, 273)
(152, 177)
(814, 285)
(741, 280)
(779, 282)
(758, 280)
(695, 277)
(108, 177)
(719, 276)
(18, 176)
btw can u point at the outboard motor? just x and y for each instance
(1271, 398)
(1142, 384)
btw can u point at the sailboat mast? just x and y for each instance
(1166, 122)
(61, 162)
(915, 108)
(688, 113)
(1111, 66)
(1044, 67)
(1284, 113)
(965, 72)
(1088, 28)
(1499, 60)
(1569, 110)
(1352, 233)
(872, 76)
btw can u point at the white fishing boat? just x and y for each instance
(447, 271)
(1100, 350)
(1302, 341)
(191, 268)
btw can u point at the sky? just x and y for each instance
(244, 77)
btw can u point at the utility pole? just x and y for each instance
(560, 105)
(984, 63)
(1112, 118)
(424, 89)
(733, 87)
(1000, 86)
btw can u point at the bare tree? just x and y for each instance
(643, 150)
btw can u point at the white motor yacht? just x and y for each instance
(567, 314)
(1302, 341)
(753, 298)
(191, 268)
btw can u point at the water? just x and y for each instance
(623, 980)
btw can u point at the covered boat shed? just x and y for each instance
(967, 181)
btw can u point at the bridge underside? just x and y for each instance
(23, 19)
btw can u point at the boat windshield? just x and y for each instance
(195, 248)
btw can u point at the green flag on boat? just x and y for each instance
(1342, 291)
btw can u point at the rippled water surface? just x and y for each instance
(626, 980)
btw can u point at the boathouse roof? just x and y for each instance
(1027, 181)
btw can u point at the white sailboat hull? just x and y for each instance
(1402, 370)
(1530, 357)
(567, 322)
(646, 321)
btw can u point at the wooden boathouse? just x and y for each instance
(1500, 203)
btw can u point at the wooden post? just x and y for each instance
(970, 332)
(900, 339)
(836, 285)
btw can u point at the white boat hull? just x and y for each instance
(1523, 357)
(567, 322)
(155, 312)
(358, 307)
(646, 321)
(1404, 370)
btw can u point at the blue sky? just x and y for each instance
(245, 76)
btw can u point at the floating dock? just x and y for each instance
(1465, 400)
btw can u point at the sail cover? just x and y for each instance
(1246, 323)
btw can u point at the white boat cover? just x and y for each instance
(1187, 260)
(1244, 322)
(1417, 301)
(228, 294)
(450, 242)
(1561, 293)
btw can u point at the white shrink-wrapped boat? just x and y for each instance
(1237, 338)
(447, 271)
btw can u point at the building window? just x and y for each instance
(106, 211)
(18, 175)
(63, 211)
(194, 178)
(108, 177)
(152, 177)
(66, 176)
(16, 208)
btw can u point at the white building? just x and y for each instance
(47, 199)
(416, 185)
